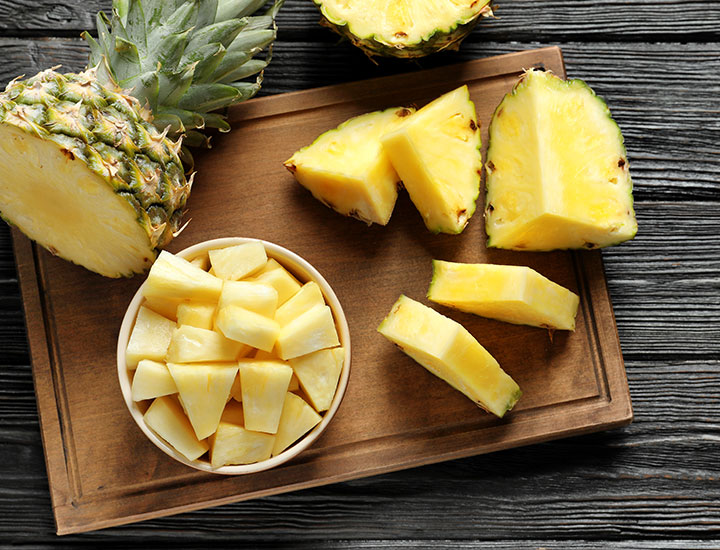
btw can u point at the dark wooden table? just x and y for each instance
(654, 484)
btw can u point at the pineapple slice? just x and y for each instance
(193, 345)
(167, 419)
(233, 444)
(264, 385)
(437, 154)
(163, 306)
(311, 331)
(248, 327)
(150, 337)
(557, 171)
(152, 379)
(450, 352)
(175, 278)
(279, 278)
(515, 294)
(258, 297)
(306, 298)
(235, 262)
(297, 419)
(318, 374)
(196, 314)
(204, 389)
(347, 169)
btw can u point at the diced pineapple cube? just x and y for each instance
(311, 331)
(318, 374)
(152, 379)
(264, 385)
(204, 389)
(150, 337)
(235, 262)
(247, 327)
(258, 297)
(192, 345)
(280, 278)
(176, 278)
(196, 314)
(167, 419)
(164, 306)
(296, 420)
(233, 444)
(306, 298)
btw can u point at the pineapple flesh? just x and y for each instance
(557, 170)
(436, 152)
(510, 293)
(347, 169)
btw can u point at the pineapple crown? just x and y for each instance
(185, 59)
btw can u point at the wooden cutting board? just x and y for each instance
(102, 471)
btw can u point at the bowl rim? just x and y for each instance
(307, 272)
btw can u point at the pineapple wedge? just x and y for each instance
(279, 278)
(166, 418)
(557, 171)
(163, 306)
(436, 152)
(264, 385)
(175, 278)
(297, 419)
(245, 326)
(233, 444)
(196, 314)
(258, 297)
(203, 389)
(150, 337)
(318, 374)
(515, 294)
(347, 169)
(311, 331)
(306, 298)
(193, 345)
(152, 379)
(450, 352)
(235, 262)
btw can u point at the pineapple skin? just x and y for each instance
(111, 134)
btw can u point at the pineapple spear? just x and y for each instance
(90, 163)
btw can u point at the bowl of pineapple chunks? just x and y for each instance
(234, 355)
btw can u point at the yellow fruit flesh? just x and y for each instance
(436, 152)
(318, 374)
(196, 314)
(311, 331)
(258, 297)
(152, 379)
(248, 327)
(233, 444)
(235, 262)
(150, 337)
(306, 298)
(174, 278)
(515, 294)
(557, 170)
(193, 345)
(450, 352)
(167, 419)
(264, 385)
(296, 420)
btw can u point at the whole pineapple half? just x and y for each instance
(403, 28)
(89, 162)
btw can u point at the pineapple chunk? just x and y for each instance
(318, 374)
(258, 297)
(196, 314)
(297, 419)
(264, 385)
(163, 306)
(557, 170)
(515, 294)
(248, 327)
(281, 279)
(152, 379)
(176, 278)
(311, 331)
(347, 169)
(306, 298)
(167, 419)
(150, 337)
(437, 154)
(202, 261)
(235, 262)
(450, 352)
(192, 345)
(233, 444)
(204, 389)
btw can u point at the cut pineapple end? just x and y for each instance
(69, 210)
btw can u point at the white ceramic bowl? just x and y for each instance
(304, 271)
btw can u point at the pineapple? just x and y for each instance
(318, 373)
(150, 337)
(193, 345)
(196, 314)
(280, 278)
(233, 444)
(264, 385)
(175, 278)
(436, 151)
(403, 28)
(515, 294)
(297, 419)
(235, 262)
(245, 326)
(557, 171)
(311, 331)
(347, 169)
(258, 297)
(152, 379)
(90, 163)
(450, 352)
(306, 298)
(166, 418)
